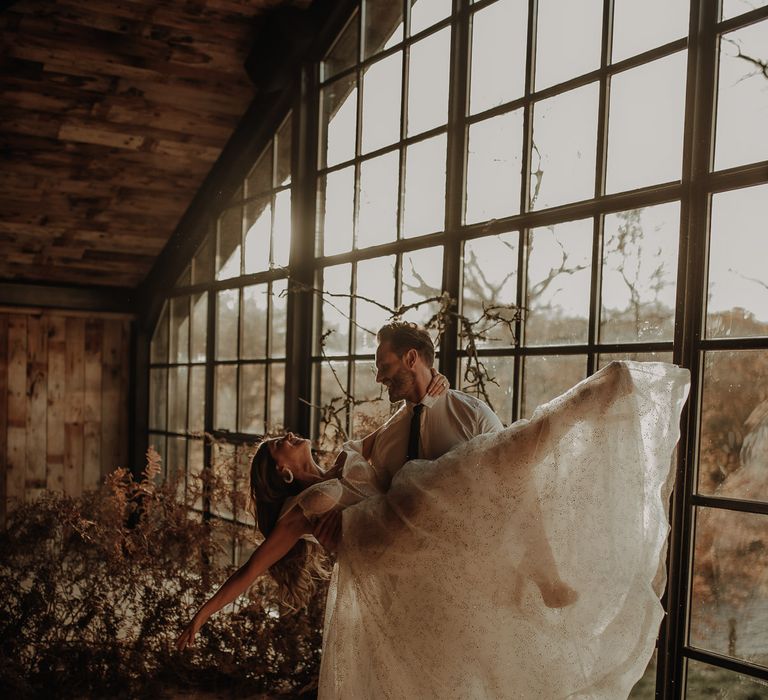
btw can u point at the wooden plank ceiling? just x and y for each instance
(111, 115)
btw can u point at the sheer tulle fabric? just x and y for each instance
(437, 588)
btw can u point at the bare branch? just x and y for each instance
(758, 63)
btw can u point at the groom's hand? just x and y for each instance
(328, 531)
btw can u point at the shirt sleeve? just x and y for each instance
(487, 420)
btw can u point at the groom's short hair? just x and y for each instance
(403, 336)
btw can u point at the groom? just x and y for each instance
(423, 426)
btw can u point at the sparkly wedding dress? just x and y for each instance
(438, 588)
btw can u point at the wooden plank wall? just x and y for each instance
(64, 383)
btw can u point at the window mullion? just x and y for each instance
(697, 154)
(300, 304)
(210, 350)
(455, 179)
(525, 188)
(600, 166)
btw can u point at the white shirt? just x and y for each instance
(446, 420)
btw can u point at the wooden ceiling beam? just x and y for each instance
(48, 124)
(113, 113)
(68, 297)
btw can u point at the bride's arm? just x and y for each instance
(286, 533)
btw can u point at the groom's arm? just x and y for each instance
(327, 530)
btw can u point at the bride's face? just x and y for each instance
(289, 450)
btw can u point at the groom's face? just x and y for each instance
(394, 373)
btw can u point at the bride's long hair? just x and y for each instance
(299, 571)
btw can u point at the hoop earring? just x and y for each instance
(287, 475)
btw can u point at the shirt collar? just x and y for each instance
(427, 401)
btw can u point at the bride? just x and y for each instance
(526, 563)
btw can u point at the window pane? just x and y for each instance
(567, 39)
(158, 443)
(424, 198)
(729, 606)
(372, 414)
(279, 301)
(494, 161)
(158, 398)
(383, 25)
(258, 226)
(343, 55)
(177, 399)
(259, 180)
(499, 38)
(179, 340)
(337, 199)
(639, 272)
(252, 398)
(428, 70)
(705, 681)
(339, 120)
(645, 127)
(336, 309)
(381, 102)
(422, 276)
(734, 424)
(742, 100)
(737, 291)
(195, 458)
(559, 272)
(490, 277)
(732, 8)
(564, 138)
(281, 235)
(638, 27)
(548, 377)
(223, 466)
(253, 344)
(159, 347)
(333, 418)
(496, 377)
(283, 159)
(197, 399)
(377, 218)
(375, 281)
(230, 239)
(276, 396)
(203, 261)
(176, 465)
(199, 327)
(225, 403)
(227, 311)
(425, 13)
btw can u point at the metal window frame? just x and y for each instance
(694, 190)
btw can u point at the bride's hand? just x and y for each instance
(438, 385)
(187, 637)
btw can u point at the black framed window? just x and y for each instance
(601, 168)
(218, 354)
(383, 103)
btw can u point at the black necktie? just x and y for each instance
(413, 435)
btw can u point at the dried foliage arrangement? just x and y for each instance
(95, 590)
